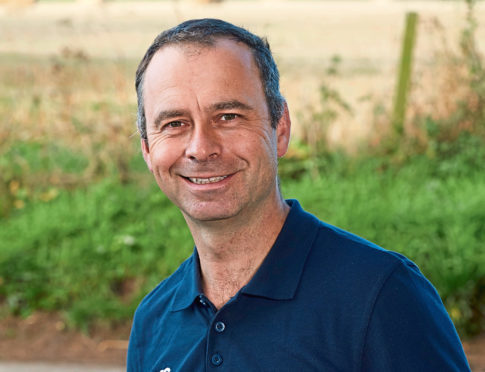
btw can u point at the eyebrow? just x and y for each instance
(225, 105)
(228, 105)
(168, 114)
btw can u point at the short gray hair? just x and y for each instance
(205, 32)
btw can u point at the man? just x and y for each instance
(269, 287)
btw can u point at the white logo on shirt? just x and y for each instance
(165, 370)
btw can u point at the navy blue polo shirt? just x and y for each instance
(322, 300)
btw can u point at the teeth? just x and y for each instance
(202, 181)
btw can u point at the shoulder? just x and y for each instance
(335, 252)
(409, 328)
(401, 322)
(160, 298)
(343, 265)
(152, 309)
(356, 257)
(347, 274)
(155, 312)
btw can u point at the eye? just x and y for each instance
(227, 117)
(173, 124)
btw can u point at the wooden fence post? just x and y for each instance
(404, 77)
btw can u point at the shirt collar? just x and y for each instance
(190, 284)
(279, 274)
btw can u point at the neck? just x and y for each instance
(231, 251)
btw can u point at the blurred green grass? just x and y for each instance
(95, 251)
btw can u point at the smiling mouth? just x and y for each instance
(203, 181)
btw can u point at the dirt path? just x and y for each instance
(44, 337)
(56, 367)
(475, 351)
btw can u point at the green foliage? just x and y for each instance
(65, 122)
(92, 253)
(95, 251)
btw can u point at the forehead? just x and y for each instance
(191, 50)
(226, 63)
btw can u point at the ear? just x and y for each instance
(283, 132)
(146, 153)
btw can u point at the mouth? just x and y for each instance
(204, 181)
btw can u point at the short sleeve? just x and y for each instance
(409, 328)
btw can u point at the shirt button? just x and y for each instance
(202, 301)
(220, 327)
(216, 359)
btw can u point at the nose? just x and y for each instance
(204, 143)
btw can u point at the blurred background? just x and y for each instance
(387, 100)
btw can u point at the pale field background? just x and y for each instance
(304, 36)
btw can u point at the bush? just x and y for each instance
(92, 253)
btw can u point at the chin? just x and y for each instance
(203, 212)
(205, 216)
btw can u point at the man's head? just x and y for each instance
(209, 136)
(205, 32)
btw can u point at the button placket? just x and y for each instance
(216, 358)
(215, 342)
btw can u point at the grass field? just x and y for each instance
(78, 231)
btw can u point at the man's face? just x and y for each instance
(211, 147)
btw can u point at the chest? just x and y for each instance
(254, 334)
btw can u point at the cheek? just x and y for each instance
(255, 138)
(260, 150)
(263, 143)
(163, 155)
